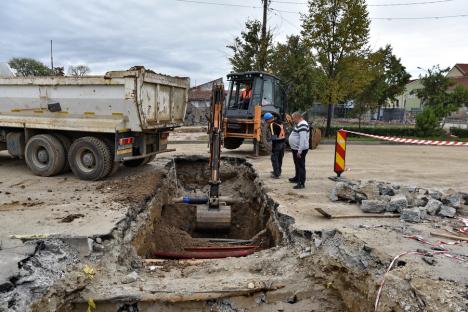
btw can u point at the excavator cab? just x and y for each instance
(250, 95)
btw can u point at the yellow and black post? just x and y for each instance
(340, 151)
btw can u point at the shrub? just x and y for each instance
(427, 123)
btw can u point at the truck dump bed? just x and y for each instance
(132, 100)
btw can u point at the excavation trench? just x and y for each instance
(291, 270)
(172, 226)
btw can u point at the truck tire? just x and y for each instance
(115, 164)
(66, 143)
(45, 155)
(90, 158)
(233, 143)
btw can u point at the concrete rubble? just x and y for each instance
(413, 203)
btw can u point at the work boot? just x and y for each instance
(293, 180)
(298, 186)
(274, 176)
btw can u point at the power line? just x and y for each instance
(221, 4)
(420, 18)
(378, 5)
(409, 3)
(296, 12)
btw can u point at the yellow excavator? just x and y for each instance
(243, 114)
(213, 210)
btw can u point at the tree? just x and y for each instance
(78, 70)
(59, 71)
(439, 94)
(337, 31)
(29, 67)
(249, 51)
(388, 78)
(294, 64)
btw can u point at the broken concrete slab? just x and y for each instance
(413, 215)
(446, 211)
(452, 199)
(370, 189)
(433, 206)
(344, 191)
(374, 206)
(397, 203)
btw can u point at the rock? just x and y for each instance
(370, 189)
(433, 206)
(292, 299)
(373, 206)
(304, 254)
(386, 189)
(326, 234)
(250, 285)
(360, 197)
(464, 196)
(397, 203)
(98, 240)
(429, 260)
(446, 211)
(452, 199)
(130, 278)
(435, 194)
(420, 200)
(317, 242)
(414, 215)
(345, 191)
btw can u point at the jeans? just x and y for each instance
(277, 153)
(299, 164)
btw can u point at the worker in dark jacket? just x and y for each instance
(278, 136)
(299, 143)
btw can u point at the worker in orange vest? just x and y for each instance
(246, 94)
(278, 136)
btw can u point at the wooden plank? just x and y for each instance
(328, 215)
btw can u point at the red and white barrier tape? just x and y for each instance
(410, 141)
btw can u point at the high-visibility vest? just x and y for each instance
(245, 94)
(282, 134)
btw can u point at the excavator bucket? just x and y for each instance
(213, 218)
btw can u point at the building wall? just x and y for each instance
(410, 102)
(454, 72)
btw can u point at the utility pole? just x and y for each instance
(264, 43)
(264, 24)
(51, 57)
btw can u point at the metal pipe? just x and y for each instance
(203, 254)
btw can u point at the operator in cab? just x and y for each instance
(246, 94)
(278, 136)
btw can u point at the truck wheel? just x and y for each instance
(232, 143)
(45, 155)
(66, 143)
(115, 164)
(90, 158)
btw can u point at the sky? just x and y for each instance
(190, 39)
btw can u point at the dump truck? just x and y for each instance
(90, 124)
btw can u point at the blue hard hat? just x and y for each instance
(267, 116)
